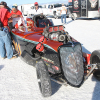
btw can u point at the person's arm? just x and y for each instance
(34, 11)
(14, 15)
(9, 16)
(66, 10)
(19, 14)
(60, 11)
(41, 12)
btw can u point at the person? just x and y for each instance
(63, 14)
(6, 6)
(37, 10)
(0, 5)
(15, 12)
(15, 16)
(5, 39)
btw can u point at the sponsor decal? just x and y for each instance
(83, 4)
(48, 60)
(76, 6)
(93, 3)
(72, 63)
(29, 22)
(43, 23)
(17, 47)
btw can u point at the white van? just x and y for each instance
(53, 9)
(30, 11)
(25, 8)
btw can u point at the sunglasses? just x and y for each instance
(14, 7)
(36, 5)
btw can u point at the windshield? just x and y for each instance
(49, 6)
(70, 4)
(34, 7)
(40, 6)
(65, 5)
(57, 5)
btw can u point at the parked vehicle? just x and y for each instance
(48, 9)
(25, 8)
(54, 10)
(54, 53)
(31, 13)
(84, 8)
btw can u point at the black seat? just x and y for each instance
(41, 21)
(37, 17)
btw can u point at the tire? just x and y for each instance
(73, 17)
(95, 57)
(43, 79)
(67, 16)
(55, 16)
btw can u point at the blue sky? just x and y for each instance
(19, 2)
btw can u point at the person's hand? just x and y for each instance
(10, 20)
(14, 16)
(41, 16)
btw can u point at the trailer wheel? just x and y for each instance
(67, 16)
(95, 58)
(55, 15)
(43, 79)
(73, 17)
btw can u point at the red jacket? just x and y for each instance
(4, 15)
(17, 13)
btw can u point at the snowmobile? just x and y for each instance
(55, 54)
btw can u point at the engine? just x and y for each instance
(57, 36)
(55, 33)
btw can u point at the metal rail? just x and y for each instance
(92, 68)
(59, 82)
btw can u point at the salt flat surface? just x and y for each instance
(18, 80)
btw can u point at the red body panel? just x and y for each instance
(34, 34)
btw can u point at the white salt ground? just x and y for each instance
(18, 80)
